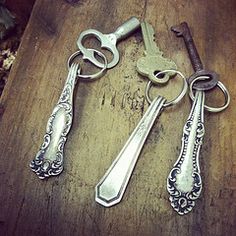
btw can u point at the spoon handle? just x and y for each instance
(49, 159)
(111, 188)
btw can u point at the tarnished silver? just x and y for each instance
(184, 182)
(153, 61)
(49, 159)
(92, 77)
(111, 188)
(108, 41)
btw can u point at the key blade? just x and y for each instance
(148, 34)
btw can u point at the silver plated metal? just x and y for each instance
(184, 181)
(111, 188)
(108, 41)
(93, 76)
(175, 100)
(49, 159)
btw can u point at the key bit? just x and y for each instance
(183, 30)
(153, 61)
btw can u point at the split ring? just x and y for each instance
(175, 100)
(221, 87)
(93, 76)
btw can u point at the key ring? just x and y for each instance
(221, 87)
(175, 100)
(93, 76)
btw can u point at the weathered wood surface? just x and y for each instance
(106, 111)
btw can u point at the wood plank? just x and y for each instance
(106, 112)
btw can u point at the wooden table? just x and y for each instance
(105, 113)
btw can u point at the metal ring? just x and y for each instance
(93, 76)
(178, 98)
(221, 87)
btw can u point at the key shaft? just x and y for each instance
(183, 30)
(127, 28)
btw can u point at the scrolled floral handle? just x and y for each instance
(49, 159)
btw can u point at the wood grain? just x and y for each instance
(105, 113)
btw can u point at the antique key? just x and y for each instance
(153, 61)
(182, 30)
(108, 41)
(184, 181)
(111, 188)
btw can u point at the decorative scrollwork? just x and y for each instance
(49, 159)
(184, 181)
(183, 202)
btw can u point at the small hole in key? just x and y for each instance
(93, 42)
(161, 76)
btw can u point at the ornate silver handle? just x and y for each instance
(111, 188)
(49, 159)
(184, 182)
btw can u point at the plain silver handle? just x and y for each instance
(111, 188)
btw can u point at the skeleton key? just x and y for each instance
(49, 159)
(184, 181)
(108, 41)
(182, 30)
(153, 61)
(111, 188)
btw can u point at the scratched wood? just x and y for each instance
(105, 113)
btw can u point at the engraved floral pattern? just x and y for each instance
(183, 201)
(45, 167)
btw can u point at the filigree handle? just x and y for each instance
(49, 159)
(184, 182)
